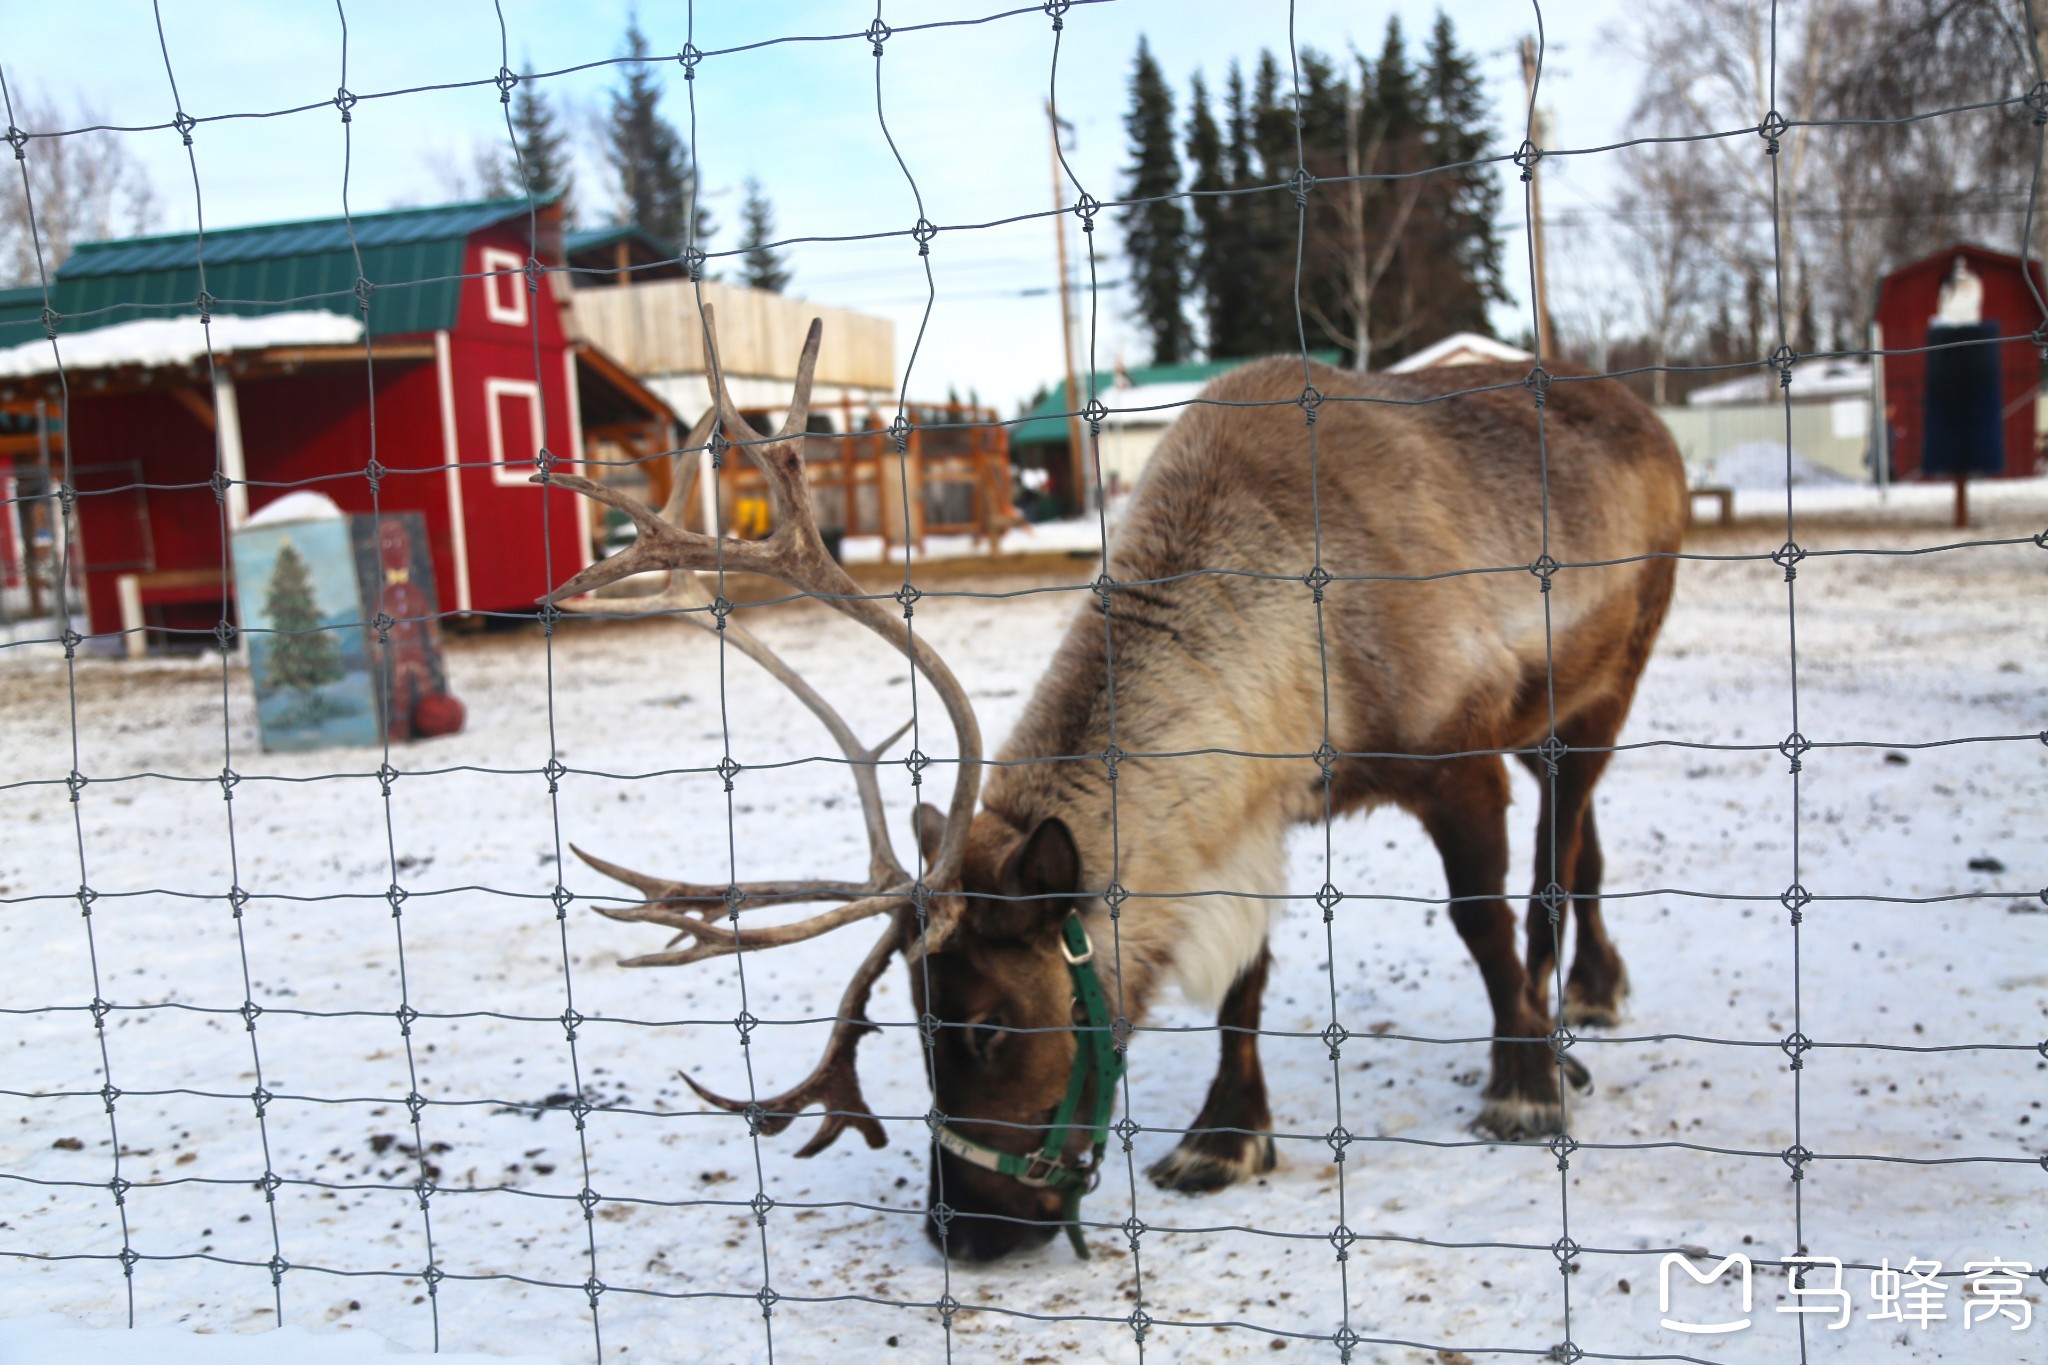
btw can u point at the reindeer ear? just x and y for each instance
(1044, 877)
(931, 829)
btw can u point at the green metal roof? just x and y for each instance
(1046, 423)
(412, 256)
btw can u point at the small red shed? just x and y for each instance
(1907, 301)
(409, 358)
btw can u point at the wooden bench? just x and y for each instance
(170, 586)
(1720, 493)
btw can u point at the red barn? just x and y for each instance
(426, 378)
(1906, 302)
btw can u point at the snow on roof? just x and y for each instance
(1822, 379)
(1168, 400)
(1459, 348)
(177, 341)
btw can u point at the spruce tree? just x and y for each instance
(657, 184)
(543, 146)
(1155, 230)
(762, 267)
(301, 656)
(1460, 130)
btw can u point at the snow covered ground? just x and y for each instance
(1695, 1098)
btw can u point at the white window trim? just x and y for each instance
(492, 261)
(495, 389)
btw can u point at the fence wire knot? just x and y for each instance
(1134, 1228)
(205, 303)
(1544, 568)
(100, 1009)
(948, 1307)
(1526, 156)
(1346, 1341)
(907, 598)
(878, 33)
(344, 101)
(1299, 184)
(1782, 360)
(1796, 1045)
(688, 59)
(128, 1256)
(555, 771)
(1334, 1038)
(1566, 1251)
(219, 483)
(1561, 1040)
(109, 1094)
(899, 433)
(761, 1204)
(363, 289)
(386, 775)
(1562, 1146)
(261, 1099)
(505, 80)
(1058, 10)
(767, 1298)
(915, 762)
(1115, 894)
(50, 318)
(1566, 1352)
(85, 897)
(1796, 1156)
(374, 472)
(1311, 399)
(1339, 1138)
(1125, 1130)
(1795, 898)
(1787, 557)
(1087, 206)
(76, 781)
(278, 1265)
(1326, 759)
(405, 1014)
(1552, 899)
(1328, 898)
(1141, 1323)
(1316, 579)
(1112, 755)
(592, 1288)
(1772, 130)
(727, 770)
(237, 898)
(1095, 412)
(185, 123)
(922, 234)
(1341, 1237)
(19, 141)
(1537, 382)
(693, 258)
(1794, 747)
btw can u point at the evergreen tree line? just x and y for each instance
(1388, 260)
(658, 183)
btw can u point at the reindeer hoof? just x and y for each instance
(1205, 1162)
(1586, 1007)
(1513, 1118)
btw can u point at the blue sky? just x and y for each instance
(964, 105)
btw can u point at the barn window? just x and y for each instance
(504, 282)
(517, 432)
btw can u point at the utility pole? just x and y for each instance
(1077, 457)
(1545, 328)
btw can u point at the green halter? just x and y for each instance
(1097, 1055)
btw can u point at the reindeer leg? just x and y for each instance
(1563, 827)
(1598, 982)
(1467, 817)
(1230, 1139)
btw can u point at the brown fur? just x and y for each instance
(1213, 643)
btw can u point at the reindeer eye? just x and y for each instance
(985, 1033)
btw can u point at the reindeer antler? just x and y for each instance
(794, 554)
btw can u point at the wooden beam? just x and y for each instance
(190, 400)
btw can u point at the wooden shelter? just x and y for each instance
(403, 361)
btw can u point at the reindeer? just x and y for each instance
(1277, 637)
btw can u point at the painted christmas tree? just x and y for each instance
(302, 662)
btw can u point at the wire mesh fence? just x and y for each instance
(315, 1042)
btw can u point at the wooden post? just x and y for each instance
(1077, 457)
(1545, 344)
(1962, 501)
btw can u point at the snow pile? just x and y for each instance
(301, 504)
(177, 341)
(1761, 464)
